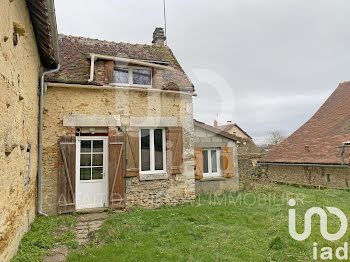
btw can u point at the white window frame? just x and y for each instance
(105, 157)
(218, 172)
(130, 74)
(152, 151)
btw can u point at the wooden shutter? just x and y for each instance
(116, 168)
(132, 152)
(174, 147)
(109, 71)
(66, 174)
(227, 161)
(198, 163)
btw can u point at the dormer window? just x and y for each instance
(132, 75)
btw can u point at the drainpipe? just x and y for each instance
(41, 136)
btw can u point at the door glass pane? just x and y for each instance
(205, 161)
(121, 75)
(145, 149)
(158, 149)
(97, 146)
(97, 159)
(141, 76)
(214, 167)
(85, 146)
(97, 173)
(85, 173)
(85, 160)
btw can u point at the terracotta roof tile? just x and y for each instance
(216, 130)
(75, 63)
(318, 140)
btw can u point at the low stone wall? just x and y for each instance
(247, 167)
(338, 177)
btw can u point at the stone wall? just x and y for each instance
(130, 106)
(206, 139)
(19, 103)
(248, 169)
(320, 176)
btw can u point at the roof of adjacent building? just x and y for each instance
(228, 127)
(42, 15)
(216, 130)
(319, 139)
(75, 60)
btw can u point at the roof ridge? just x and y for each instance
(111, 41)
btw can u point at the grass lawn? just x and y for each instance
(246, 226)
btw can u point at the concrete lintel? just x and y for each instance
(148, 121)
(149, 177)
(81, 120)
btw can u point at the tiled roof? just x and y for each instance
(318, 140)
(227, 128)
(75, 62)
(216, 130)
(43, 17)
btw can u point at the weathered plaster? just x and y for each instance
(19, 78)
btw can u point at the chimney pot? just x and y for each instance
(158, 37)
(215, 123)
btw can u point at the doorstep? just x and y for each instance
(92, 210)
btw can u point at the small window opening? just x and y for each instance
(26, 179)
(328, 178)
(15, 37)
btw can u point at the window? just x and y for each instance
(133, 76)
(211, 162)
(152, 150)
(91, 159)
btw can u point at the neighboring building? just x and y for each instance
(234, 129)
(118, 127)
(28, 45)
(216, 164)
(318, 153)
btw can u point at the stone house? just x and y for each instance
(318, 153)
(234, 129)
(118, 127)
(28, 46)
(216, 162)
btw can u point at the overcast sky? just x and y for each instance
(263, 64)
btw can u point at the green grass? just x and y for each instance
(36, 243)
(248, 226)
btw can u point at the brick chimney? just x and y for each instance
(158, 37)
(215, 123)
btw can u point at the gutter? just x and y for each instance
(41, 137)
(53, 29)
(94, 57)
(298, 164)
(115, 87)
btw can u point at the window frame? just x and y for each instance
(152, 152)
(219, 172)
(130, 76)
(104, 153)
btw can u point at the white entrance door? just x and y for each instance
(91, 172)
